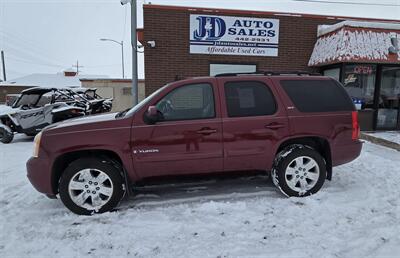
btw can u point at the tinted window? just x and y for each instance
(317, 95)
(249, 99)
(194, 101)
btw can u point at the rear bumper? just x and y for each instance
(39, 174)
(343, 154)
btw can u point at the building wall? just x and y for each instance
(119, 90)
(4, 90)
(169, 28)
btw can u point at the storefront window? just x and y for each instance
(389, 98)
(359, 81)
(334, 73)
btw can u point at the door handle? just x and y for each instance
(206, 131)
(274, 126)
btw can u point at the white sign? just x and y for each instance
(226, 35)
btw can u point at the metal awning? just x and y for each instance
(358, 42)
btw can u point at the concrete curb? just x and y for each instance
(380, 141)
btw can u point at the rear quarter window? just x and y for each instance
(317, 95)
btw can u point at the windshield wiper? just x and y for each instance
(122, 113)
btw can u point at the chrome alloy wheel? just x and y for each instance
(302, 174)
(90, 188)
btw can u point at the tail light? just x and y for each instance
(355, 126)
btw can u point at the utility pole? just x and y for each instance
(134, 53)
(77, 66)
(134, 49)
(4, 65)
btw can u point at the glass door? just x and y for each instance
(389, 98)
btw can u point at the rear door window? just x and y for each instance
(249, 98)
(317, 95)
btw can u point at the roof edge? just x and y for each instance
(276, 13)
(326, 29)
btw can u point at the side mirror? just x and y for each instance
(152, 111)
(151, 116)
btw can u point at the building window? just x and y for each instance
(127, 91)
(359, 81)
(389, 98)
(249, 99)
(333, 73)
(231, 68)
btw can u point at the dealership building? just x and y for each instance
(362, 53)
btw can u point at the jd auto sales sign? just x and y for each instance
(226, 35)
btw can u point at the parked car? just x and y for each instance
(296, 127)
(39, 107)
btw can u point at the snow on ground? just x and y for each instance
(393, 136)
(355, 215)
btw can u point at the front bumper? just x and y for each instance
(39, 174)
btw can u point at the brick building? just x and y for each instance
(187, 41)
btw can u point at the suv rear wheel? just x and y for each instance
(299, 171)
(91, 185)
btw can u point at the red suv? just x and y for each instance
(295, 126)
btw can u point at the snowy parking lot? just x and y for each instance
(357, 214)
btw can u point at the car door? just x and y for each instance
(188, 137)
(254, 122)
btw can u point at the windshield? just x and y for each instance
(144, 102)
(27, 100)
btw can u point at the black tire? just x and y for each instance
(282, 175)
(104, 165)
(6, 135)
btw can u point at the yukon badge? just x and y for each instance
(146, 151)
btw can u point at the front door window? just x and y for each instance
(190, 102)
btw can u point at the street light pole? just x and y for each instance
(122, 58)
(122, 51)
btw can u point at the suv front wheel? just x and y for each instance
(91, 185)
(299, 171)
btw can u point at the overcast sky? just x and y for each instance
(48, 36)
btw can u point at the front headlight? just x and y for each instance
(36, 145)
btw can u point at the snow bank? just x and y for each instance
(355, 215)
(393, 136)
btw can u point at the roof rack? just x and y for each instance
(270, 73)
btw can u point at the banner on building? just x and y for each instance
(227, 35)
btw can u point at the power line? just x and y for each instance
(20, 60)
(31, 56)
(348, 3)
(34, 48)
